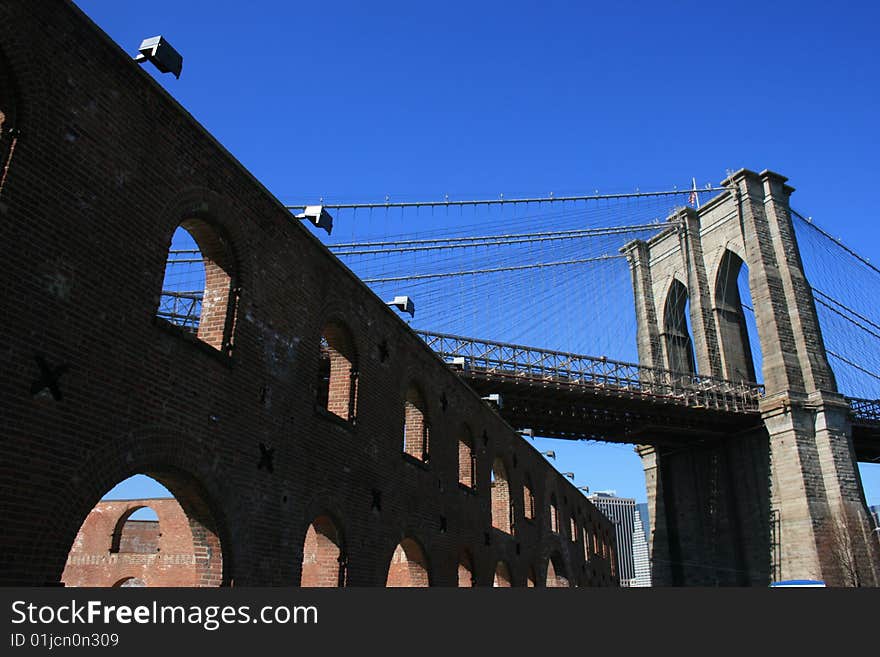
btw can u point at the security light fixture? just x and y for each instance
(586, 489)
(494, 398)
(404, 305)
(461, 363)
(160, 53)
(550, 455)
(318, 216)
(570, 475)
(528, 433)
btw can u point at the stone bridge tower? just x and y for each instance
(781, 502)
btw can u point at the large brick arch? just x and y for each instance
(324, 555)
(157, 456)
(409, 566)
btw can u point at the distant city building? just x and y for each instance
(630, 524)
(641, 558)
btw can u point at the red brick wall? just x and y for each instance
(96, 389)
(160, 553)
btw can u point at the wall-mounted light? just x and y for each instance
(159, 52)
(494, 398)
(550, 455)
(404, 305)
(461, 363)
(570, 475)
(318, 216)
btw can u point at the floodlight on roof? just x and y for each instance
(494, 398)
(318, 216)
(404, 305)
(161, 54)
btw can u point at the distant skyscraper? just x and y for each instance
(632, 546)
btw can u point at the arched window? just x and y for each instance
(467, 459)
(502, 511)
(731, 309)
(531, 580)
(586, 538)
(528, 499)
(554, 514)
(166, 537)
(556, 573)
(465, 569)
(416, 425)
(199, 292)
(573, 528)
(323, 559)
(502, 576)
(134, 582)
(136, 532)
(677, 330)
(409, 566)
(337, 372)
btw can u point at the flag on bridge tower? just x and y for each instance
(693, 199)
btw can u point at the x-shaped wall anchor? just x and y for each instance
(266, 454)
(49, 378)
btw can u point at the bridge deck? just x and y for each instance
(565, 395)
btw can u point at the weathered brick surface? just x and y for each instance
(106, 167)
(110, 548)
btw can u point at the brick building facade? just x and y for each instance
(279, 485)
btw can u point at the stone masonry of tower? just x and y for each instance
(785, 502)
(99, 167)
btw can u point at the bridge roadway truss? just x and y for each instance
(573, 396)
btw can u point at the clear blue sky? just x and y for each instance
(354, 100)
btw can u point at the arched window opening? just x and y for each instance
(199, 292)
(409, 566)
(556, 573)
(502, 576)
(465, 570)
(323, 558)
(467, 460)
(133, 582)
(734, 311)
(595, 540)
(573, 529)
(531, 579)
(677, 330)
(337, 373)
(554, 514)
(416, 426)
(156, 529)
(502, 512)
(528, 499)
(136, 532)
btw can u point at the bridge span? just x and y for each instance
(559, 394)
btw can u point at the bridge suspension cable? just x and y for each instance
(434, 244)
(510, 201)
(493, 270)
(844, 285)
